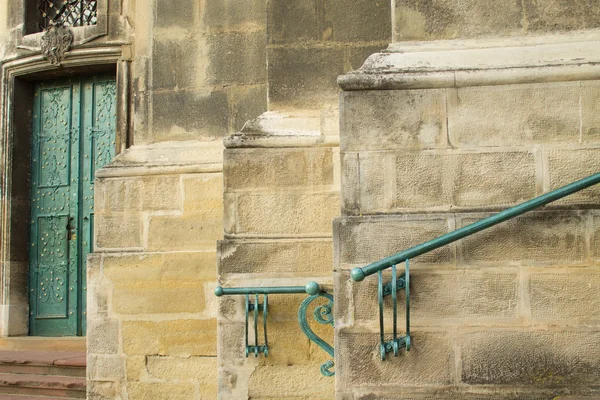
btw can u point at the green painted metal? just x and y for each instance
(221, 291)
(256, 307)
(396, 343)
(323, 314)
(73, 134)
(358, 274)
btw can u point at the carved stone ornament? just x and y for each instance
(56, 41)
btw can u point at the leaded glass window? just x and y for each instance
(66, 12)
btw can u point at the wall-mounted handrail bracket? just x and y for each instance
(392, 288)
(254, 306)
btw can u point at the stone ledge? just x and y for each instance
(463, 63)
(164, 158)
(288, 129)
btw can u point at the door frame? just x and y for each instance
(17, 81)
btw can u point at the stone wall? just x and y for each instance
(281, 192)
(501, 314)
(475, 19)
(279, 204)
(151, 311)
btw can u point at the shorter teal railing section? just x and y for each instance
(359, 274)
(253, 305)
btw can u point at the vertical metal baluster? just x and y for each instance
(247, 309)
(256, 326)
(395, 305)
(407, 292)
(265, 312)
(380, 295)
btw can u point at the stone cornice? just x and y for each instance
(463, 63)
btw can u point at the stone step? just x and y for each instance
(43, 385)
(43, 363)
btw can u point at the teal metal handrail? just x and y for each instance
(322, 314)
(358, 274)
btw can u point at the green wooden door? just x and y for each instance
(73, 135)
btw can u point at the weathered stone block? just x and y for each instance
(361, 240)
(555, 15)
(566, 166)
(247, 102)
(115, 195)
(181, 115)
(459, 296)
(595, 239)
(277, 168)
(549, 237)
(184, 338)
(196, 369)
(352, 21)
(287, 344)
(237, 58)
(350, 177)
(118, 231)
(102, 336)
(304, 77)
(393, 119)
(169, 56)
(297, 256)
(355, 21)
(590, 103)
(174, 15)
(161, 193)
(185, 266)
(203, 192)
(98, 390)
(186, 232)
(391, 182)
(288, 213)
(222, 15)
(514, 114)
(231, 343)
(430, 361)
(135, 368)
(161, 391)
(376, 175)
(422, 180)
(494, 179)
(158, 297)
(105, 368)
(566, 296)
(291, 22)
(540, 358)
(284, 380)
(446, 19)
(357, 54)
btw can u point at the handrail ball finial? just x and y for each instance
(357, 274)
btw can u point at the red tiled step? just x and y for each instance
(42, 385)
(43, 363)
(28, 396)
